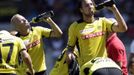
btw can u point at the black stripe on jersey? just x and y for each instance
(18, 33)
(23, 49)
(20, 60)
(50, 34)
(61, 56)
(0, 40)
(0, 56)
(77, 45)
(112, 26)
(80, 21)
(0, 52)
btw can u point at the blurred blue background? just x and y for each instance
(65, 14)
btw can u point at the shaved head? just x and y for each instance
(19, 23)
(15, 17)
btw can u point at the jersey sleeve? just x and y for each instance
(72, 34)
(44, 31)
(108, 24)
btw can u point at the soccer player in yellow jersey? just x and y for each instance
(89, 33)
(100, 66)
(10, 49)
(62, 68)
(33, 39)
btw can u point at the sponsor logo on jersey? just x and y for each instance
(33, 44)
(91, 35)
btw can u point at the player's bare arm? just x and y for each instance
(56, 31)
(120, 26)
(28, 61)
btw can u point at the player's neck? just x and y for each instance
(25, 33)
(89, 19)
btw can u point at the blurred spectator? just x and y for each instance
(131, 53)
(132, 47)
(131, 65)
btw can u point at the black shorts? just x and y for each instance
(39, 73)
(7, 74)
(108, 71)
